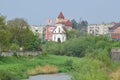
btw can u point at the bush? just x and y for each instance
(5, 75)
(99, 54)
(89, 69)
(69, 64)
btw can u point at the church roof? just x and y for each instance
(68, 23)
(61, 15)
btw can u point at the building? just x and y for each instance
(64, 21)
(48, 32)
(99, 29)
(57, 32)
(38, 30)
(115, 31)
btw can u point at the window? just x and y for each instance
(36, 30)
(54, 37)
(59, 30)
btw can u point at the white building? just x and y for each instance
(99, 29)
(59, 33)
(38, 29)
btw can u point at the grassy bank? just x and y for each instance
(22, 67)
(15, 68)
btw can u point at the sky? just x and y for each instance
(36, 12)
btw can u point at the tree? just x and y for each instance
(74, 24)
(72, 34)
(22, 35)
(82, 27)
(18, 22)
(4, 34)
(34, 44)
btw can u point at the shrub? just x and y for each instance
(69, 64)
(89, 69)
(99, 54)
(5, 75)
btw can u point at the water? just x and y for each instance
(58, 76)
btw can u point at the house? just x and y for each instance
(99, 29)
(38, 30)
(57, 32)
(64, 21)
(115, 31)
(48, 32)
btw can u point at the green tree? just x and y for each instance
(21, 34)
(4, 34)
(74, 24)
(72, 34)
(18, 22)
(34, 44)
(82, 27)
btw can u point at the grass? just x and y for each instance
(22, 67)
(79, 68)
(47, 69)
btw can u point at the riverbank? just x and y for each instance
(22, 67)
(18, 68)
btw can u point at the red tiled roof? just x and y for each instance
(61, 15)
(115, 26)
(60, 22)
(64, 28)
(68, 23)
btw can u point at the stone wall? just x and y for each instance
(115, 54)
(21, 53)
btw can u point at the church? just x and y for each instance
(57, 32)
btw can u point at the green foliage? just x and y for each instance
(52, 48)
(17, 33)
(74, 24)
(34, 44)
(89, 69)
(69, 64)
(14, 47)
(72, 34)
(4, 34)
(97, 47)
(18, 22)
(18, 66)
(5, 75)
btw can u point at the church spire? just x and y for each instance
(61, 15)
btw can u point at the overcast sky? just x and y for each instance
(36, 12)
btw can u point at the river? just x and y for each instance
(58, 76)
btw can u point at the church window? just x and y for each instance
(59, 30)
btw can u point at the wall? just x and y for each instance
(22, 53)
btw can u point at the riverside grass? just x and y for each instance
(79, 68)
